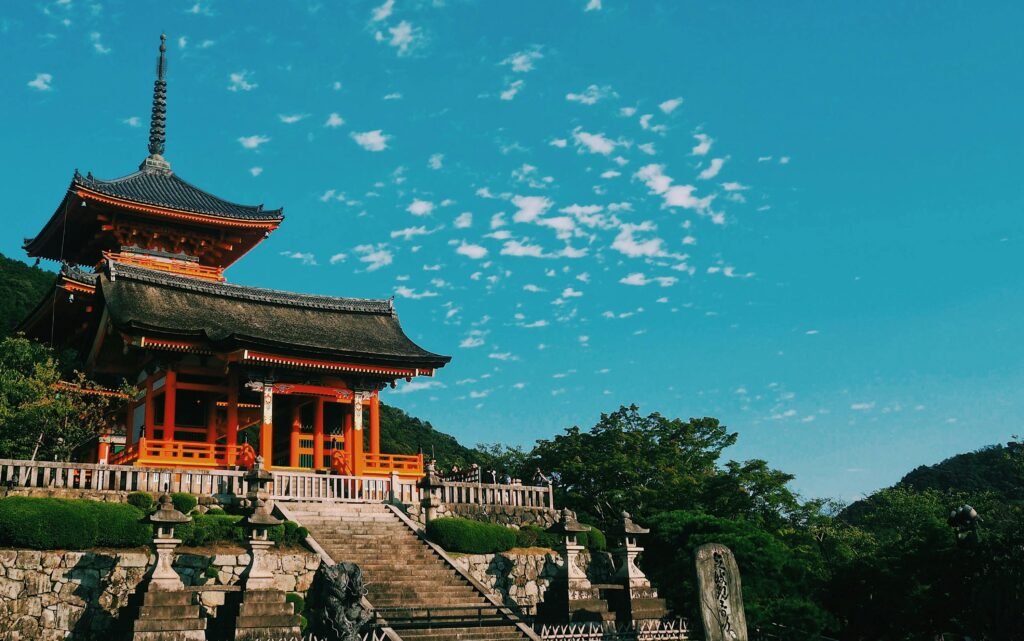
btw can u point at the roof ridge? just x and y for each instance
(279, 297)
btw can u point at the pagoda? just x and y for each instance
(223, 372)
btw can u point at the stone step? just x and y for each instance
(264, 622)
(170, 625)
(167, 598)
(263, 596)
(265, 608)
(168, 612)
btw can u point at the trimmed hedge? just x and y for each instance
(471, 537)
(60, 524)
(142, 500)
(592, 540)
(184, 502)
(206, 529)
(531, 536)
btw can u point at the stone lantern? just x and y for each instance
(580, 587)
(431, 484)
(642, 598)
(260, 577)
(164, 520)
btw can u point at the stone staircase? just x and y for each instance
(411, 586)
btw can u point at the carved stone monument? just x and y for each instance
(335, 603)
(721, 594)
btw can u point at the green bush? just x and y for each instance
(296, 598)
(119, 525)
(45, 524)
(56, 524)
(217, 528)
(141, 500)
(472, 537)
(184, 502)
(592, 540)
(211, 572)
(216, 511)
(531, 536)
(294, 534)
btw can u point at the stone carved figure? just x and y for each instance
(335, 603)
(721, 594)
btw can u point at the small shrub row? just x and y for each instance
(59, 524)
(531, 536)
(67, 524)
(592, 540)
(471, 537)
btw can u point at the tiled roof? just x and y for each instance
(165, 189)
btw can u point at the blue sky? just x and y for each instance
(802, 218)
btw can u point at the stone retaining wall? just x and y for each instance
(509, 515)
(46, 595)
(519, 580)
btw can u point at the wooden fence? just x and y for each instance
(119, 478)
(301, 486)
(674, 630)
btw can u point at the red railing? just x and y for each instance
(154, 453)
(405, 465)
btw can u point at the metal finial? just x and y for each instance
(158, 120)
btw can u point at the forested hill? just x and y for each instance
(997, 469)
(21, 289)
(404, 434)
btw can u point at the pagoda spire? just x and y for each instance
(158, 120)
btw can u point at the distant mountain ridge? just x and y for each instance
(997, 469)
(21, 289)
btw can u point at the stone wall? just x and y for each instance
(519, 580)
(44, 596)
(514, 516)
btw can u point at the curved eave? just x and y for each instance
(180, 214)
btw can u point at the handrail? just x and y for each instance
(119, 478)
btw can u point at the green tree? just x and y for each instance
(36, 417)
(627, 461)
(21, 289)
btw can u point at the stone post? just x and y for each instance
(431, 484)
(163, 520)
(580, 587)
(395, 494)
(259, 577)
(633, 578)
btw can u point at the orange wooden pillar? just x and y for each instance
(348, 437)
(150, 422)
(211, 420)
(103, 447)
(170, 404)
(374, 424)
(358, 453)
(231, 429)
(318, 435)
(296, 436)
(267, 428)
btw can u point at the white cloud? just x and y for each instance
(703, 145)
(593, 5)
(255, 171)
(375, 256)
(375, 140)
(474, 339)
(561, 143)
(510, 92)
(522, 61)
(239, 81)
(734, 186)
(306, 258)
(182, 42)
(97, 43)
(518, 248)
(252, 142)
(406, 292)
(530, 208)
(712, 170)
(291, 119)
(611, 173)
(503, 356)
(134, 121)
(420, 207)
(338, 258)
(569, 292)
(535, 324)
(334, 120)
(594, 143)
(529, 287)
(393, 96)
(638, 279)
(404, 37)
(626, 242)
(436, 161)
(862, 407)
(627, 112)
(42, 82)
(411, 232)
(590, 95)
(674, 195)
(670, 105)
(475, 252)
(383, 12)
(464, 220)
